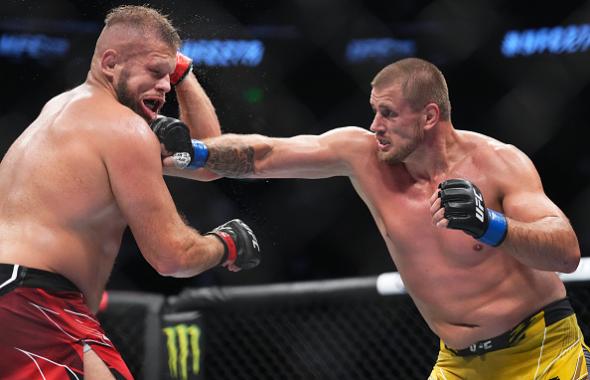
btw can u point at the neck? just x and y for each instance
(99, 81)
(435, 155)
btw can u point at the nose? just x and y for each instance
(164, 84)
(377, 124)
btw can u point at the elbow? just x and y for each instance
(573, 254)
(167, 261)
(262, 159)
(572, 260)
(167, 267)
(182, 257)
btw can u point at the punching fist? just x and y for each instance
(465, 210)
(241, 246)
(176, 138)
(184, 65)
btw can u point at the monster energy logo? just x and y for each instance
(182, 340)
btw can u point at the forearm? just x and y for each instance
(194, 256)
(196, 109)
(231, 245)
(236, 156)
(201, 256)
(228, 155)
(547, 244)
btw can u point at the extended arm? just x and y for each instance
(304, 156)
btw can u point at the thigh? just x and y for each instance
(546, 352)
(47, 335)
(562, 353)
(95, 368)
(33, 343)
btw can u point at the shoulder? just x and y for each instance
(509, 165)
(484, 148)
(349, 143)
(98, 115)
(117, 124)
(131, 126)
(351, 137)
(115, 130)
(133, 136)
(349, 132)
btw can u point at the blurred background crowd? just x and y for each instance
(517, 71)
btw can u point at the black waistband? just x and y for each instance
(552, 313)
(12, 276)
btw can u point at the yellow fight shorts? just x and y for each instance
(549, 346)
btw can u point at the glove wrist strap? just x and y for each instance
(497, 229)
(185, 74)
(230, 253)
(184, 65)
(201, 154)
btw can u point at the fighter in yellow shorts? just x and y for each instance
(464, 216)
(547, 345)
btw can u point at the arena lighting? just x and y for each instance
(378, 49)
(41, 25)
(224, 52)
(37, 46)
(557, 40)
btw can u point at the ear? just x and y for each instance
(108, 63)
(431, 115)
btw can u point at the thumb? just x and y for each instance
(179, 160)
(169, 162)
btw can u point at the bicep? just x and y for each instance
(309, 156)
(524, 198)
(135, 173)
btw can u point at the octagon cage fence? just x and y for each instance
(356, 328)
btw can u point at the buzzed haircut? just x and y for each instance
(421, 83)
(146, 19)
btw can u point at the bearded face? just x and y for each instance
(143, 82)
(398, 143)
(124, 94)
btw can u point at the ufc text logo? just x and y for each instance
(482, 346)
(254, 240)
(479, 209)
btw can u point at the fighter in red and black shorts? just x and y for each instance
(47, 327)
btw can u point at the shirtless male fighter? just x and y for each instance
(87, 167)
(475, 239)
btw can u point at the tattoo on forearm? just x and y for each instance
(231, 160)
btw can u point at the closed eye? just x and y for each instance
(157, 73)
(387, 113)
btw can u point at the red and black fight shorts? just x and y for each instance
(45, 327)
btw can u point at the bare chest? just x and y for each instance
(401, 210)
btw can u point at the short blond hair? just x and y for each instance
(421, 83)
(147, 20)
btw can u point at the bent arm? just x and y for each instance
(132, 159)
(196, 109)
(303, 156)
(539, 234)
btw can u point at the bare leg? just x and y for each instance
(94, 367)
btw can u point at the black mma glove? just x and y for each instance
(176, 137)
(241, 246)
(465, 210)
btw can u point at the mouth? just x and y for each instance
(382, 143)
(152, 105)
